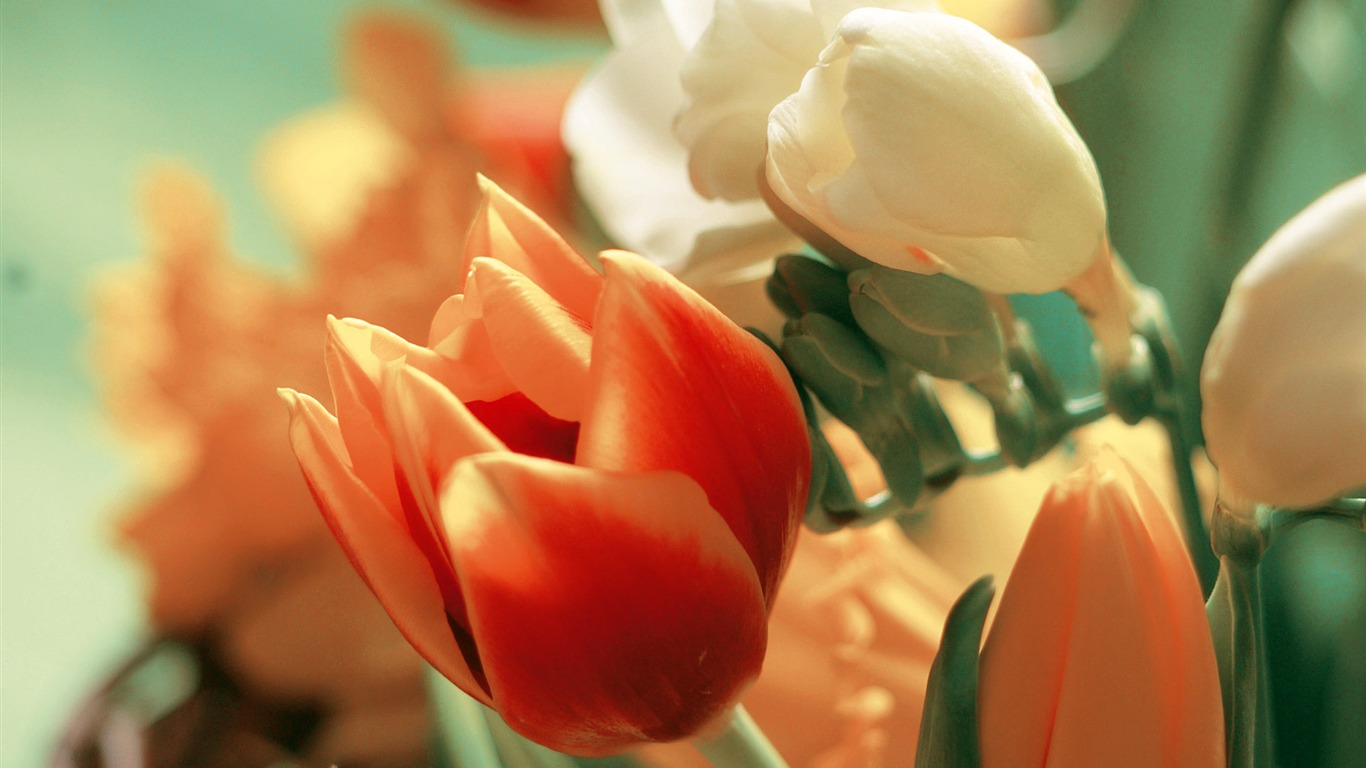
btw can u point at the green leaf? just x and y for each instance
(948, 728)
(934, 322)
(801, 285)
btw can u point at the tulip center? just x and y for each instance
(525, 428)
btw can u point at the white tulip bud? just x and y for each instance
(923, 143)
(1284, 378)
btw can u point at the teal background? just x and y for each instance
(90, 91)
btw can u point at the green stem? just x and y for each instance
(462, 732)
(1235, 616)
(1197, 535)
(742, 745)
(1240, 715)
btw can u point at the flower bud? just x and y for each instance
(1284, 378)
(922, 143)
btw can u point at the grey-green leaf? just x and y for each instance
(948, 727)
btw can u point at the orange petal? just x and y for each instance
(542, 346)
(1099, 653)
(1022, 662)
(388, 560)
(505, 230)
(459, 336)
(430, 430)
(607, 608)
(353, 371)
(675, 385)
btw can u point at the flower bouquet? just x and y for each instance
(572, 511)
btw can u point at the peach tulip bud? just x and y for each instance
(1284, 378)
(557, 501)
(921, 142)
(1100, 653)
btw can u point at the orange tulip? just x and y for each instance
(1100, 653)
(577, 501)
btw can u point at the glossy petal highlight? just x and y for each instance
(381, 550)
(658, 357)
(542, 345)
(592, 660)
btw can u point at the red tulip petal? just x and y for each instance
(607, 608)
(527, 429)
(542, 346)
(390, 563)
(430, 431)
(505, 230)
(675, 385)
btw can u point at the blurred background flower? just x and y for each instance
(1210, 124)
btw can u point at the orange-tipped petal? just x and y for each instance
(377, 545)
(542, 346)
(675, 385)
(458, 335)
(505, 230)
(430, 430)
(607, 608)
(353, 371)
(1100, 653)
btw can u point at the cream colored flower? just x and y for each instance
(923, 143)
(752, 55)
(630, 169)
(1284, 379)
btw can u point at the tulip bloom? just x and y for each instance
(1100, 653)
(851, 641)
(578, 501)
(1284, 377)
(923, 143)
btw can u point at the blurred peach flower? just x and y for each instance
(189, 346)
(546, 467)
(1100, 653)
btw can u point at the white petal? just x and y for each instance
(1284, 377)
(920, 141)
(632, 172)
(751, 57)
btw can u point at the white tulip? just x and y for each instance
(1284, 378)
(921, 142)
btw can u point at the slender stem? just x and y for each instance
(1197, 535)
(461, 729)
(1235, 613)
(742, 745)
(1246, 664)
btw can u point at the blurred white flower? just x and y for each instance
(1284, 378)
(668, 137)
(921, 142)
(632, 172)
